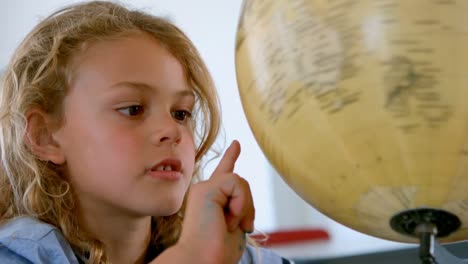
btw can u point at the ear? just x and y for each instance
(39, 137)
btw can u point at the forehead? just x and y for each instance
(135, 57)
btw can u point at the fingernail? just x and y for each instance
(235, 141)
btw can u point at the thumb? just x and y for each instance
(229, 159)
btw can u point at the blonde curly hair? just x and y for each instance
(37, 76)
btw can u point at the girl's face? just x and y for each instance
(127, 135)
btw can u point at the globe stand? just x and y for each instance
(427, 224)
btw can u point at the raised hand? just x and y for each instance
(235, 197)
(219, 213)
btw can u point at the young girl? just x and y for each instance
(100, 143)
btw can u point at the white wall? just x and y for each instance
(211, 24)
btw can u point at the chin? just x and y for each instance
(169, 208)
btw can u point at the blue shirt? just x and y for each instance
(27, 240)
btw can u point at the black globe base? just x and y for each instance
(427, 224)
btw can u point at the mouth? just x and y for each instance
(168, 165)
(167, 170)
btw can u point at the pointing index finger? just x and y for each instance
(229, 158)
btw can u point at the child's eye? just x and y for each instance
(132, 110)
(181, 115)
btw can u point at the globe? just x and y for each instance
(361, 106)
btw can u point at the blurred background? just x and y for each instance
(212, 24)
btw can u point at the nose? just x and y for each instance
(168, 131)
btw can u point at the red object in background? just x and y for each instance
(284, 237)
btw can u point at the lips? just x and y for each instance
(168, 169)
(168, 165)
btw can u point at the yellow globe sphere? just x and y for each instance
(361, 106)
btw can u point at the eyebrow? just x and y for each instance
(147, 87)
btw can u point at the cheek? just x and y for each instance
(118, 152)
(118, 142)
(189, 150)
(101, 145)
(102, 135)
